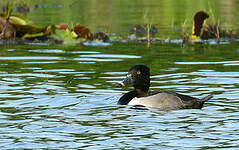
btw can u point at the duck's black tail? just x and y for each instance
(206, 98)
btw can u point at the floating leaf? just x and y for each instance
(62, 26)
(18, 20)
(71, 34)
(33, 36)
(65, 36)
(21, 30)
(83, 32)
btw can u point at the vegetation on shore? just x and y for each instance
(16, 27)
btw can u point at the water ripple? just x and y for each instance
(70, 102)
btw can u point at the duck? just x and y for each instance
(140, 30)
(199, 19)
(139, 77)
(214, 30)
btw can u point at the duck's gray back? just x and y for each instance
(164, 101)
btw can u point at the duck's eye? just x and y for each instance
(138, 72)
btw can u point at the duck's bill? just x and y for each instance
(126, 81)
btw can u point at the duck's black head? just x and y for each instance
(139, 77)
(199, 18)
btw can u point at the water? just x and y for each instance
(55, 97)
(64, 97)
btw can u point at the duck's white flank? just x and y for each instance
(161, 100)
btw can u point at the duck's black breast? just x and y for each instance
(126, 98)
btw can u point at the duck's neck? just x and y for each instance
(142, 89)
(126, 98)
(137, 92)
(141, 92)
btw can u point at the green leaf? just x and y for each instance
(29, 36)
(18, 20)
(68, 37)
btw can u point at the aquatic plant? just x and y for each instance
(204, 31)
(83, 32)
(17, 27)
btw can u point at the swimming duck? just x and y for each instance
(139, 77)
(214, 30)
(199, 19)
(140, 30)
